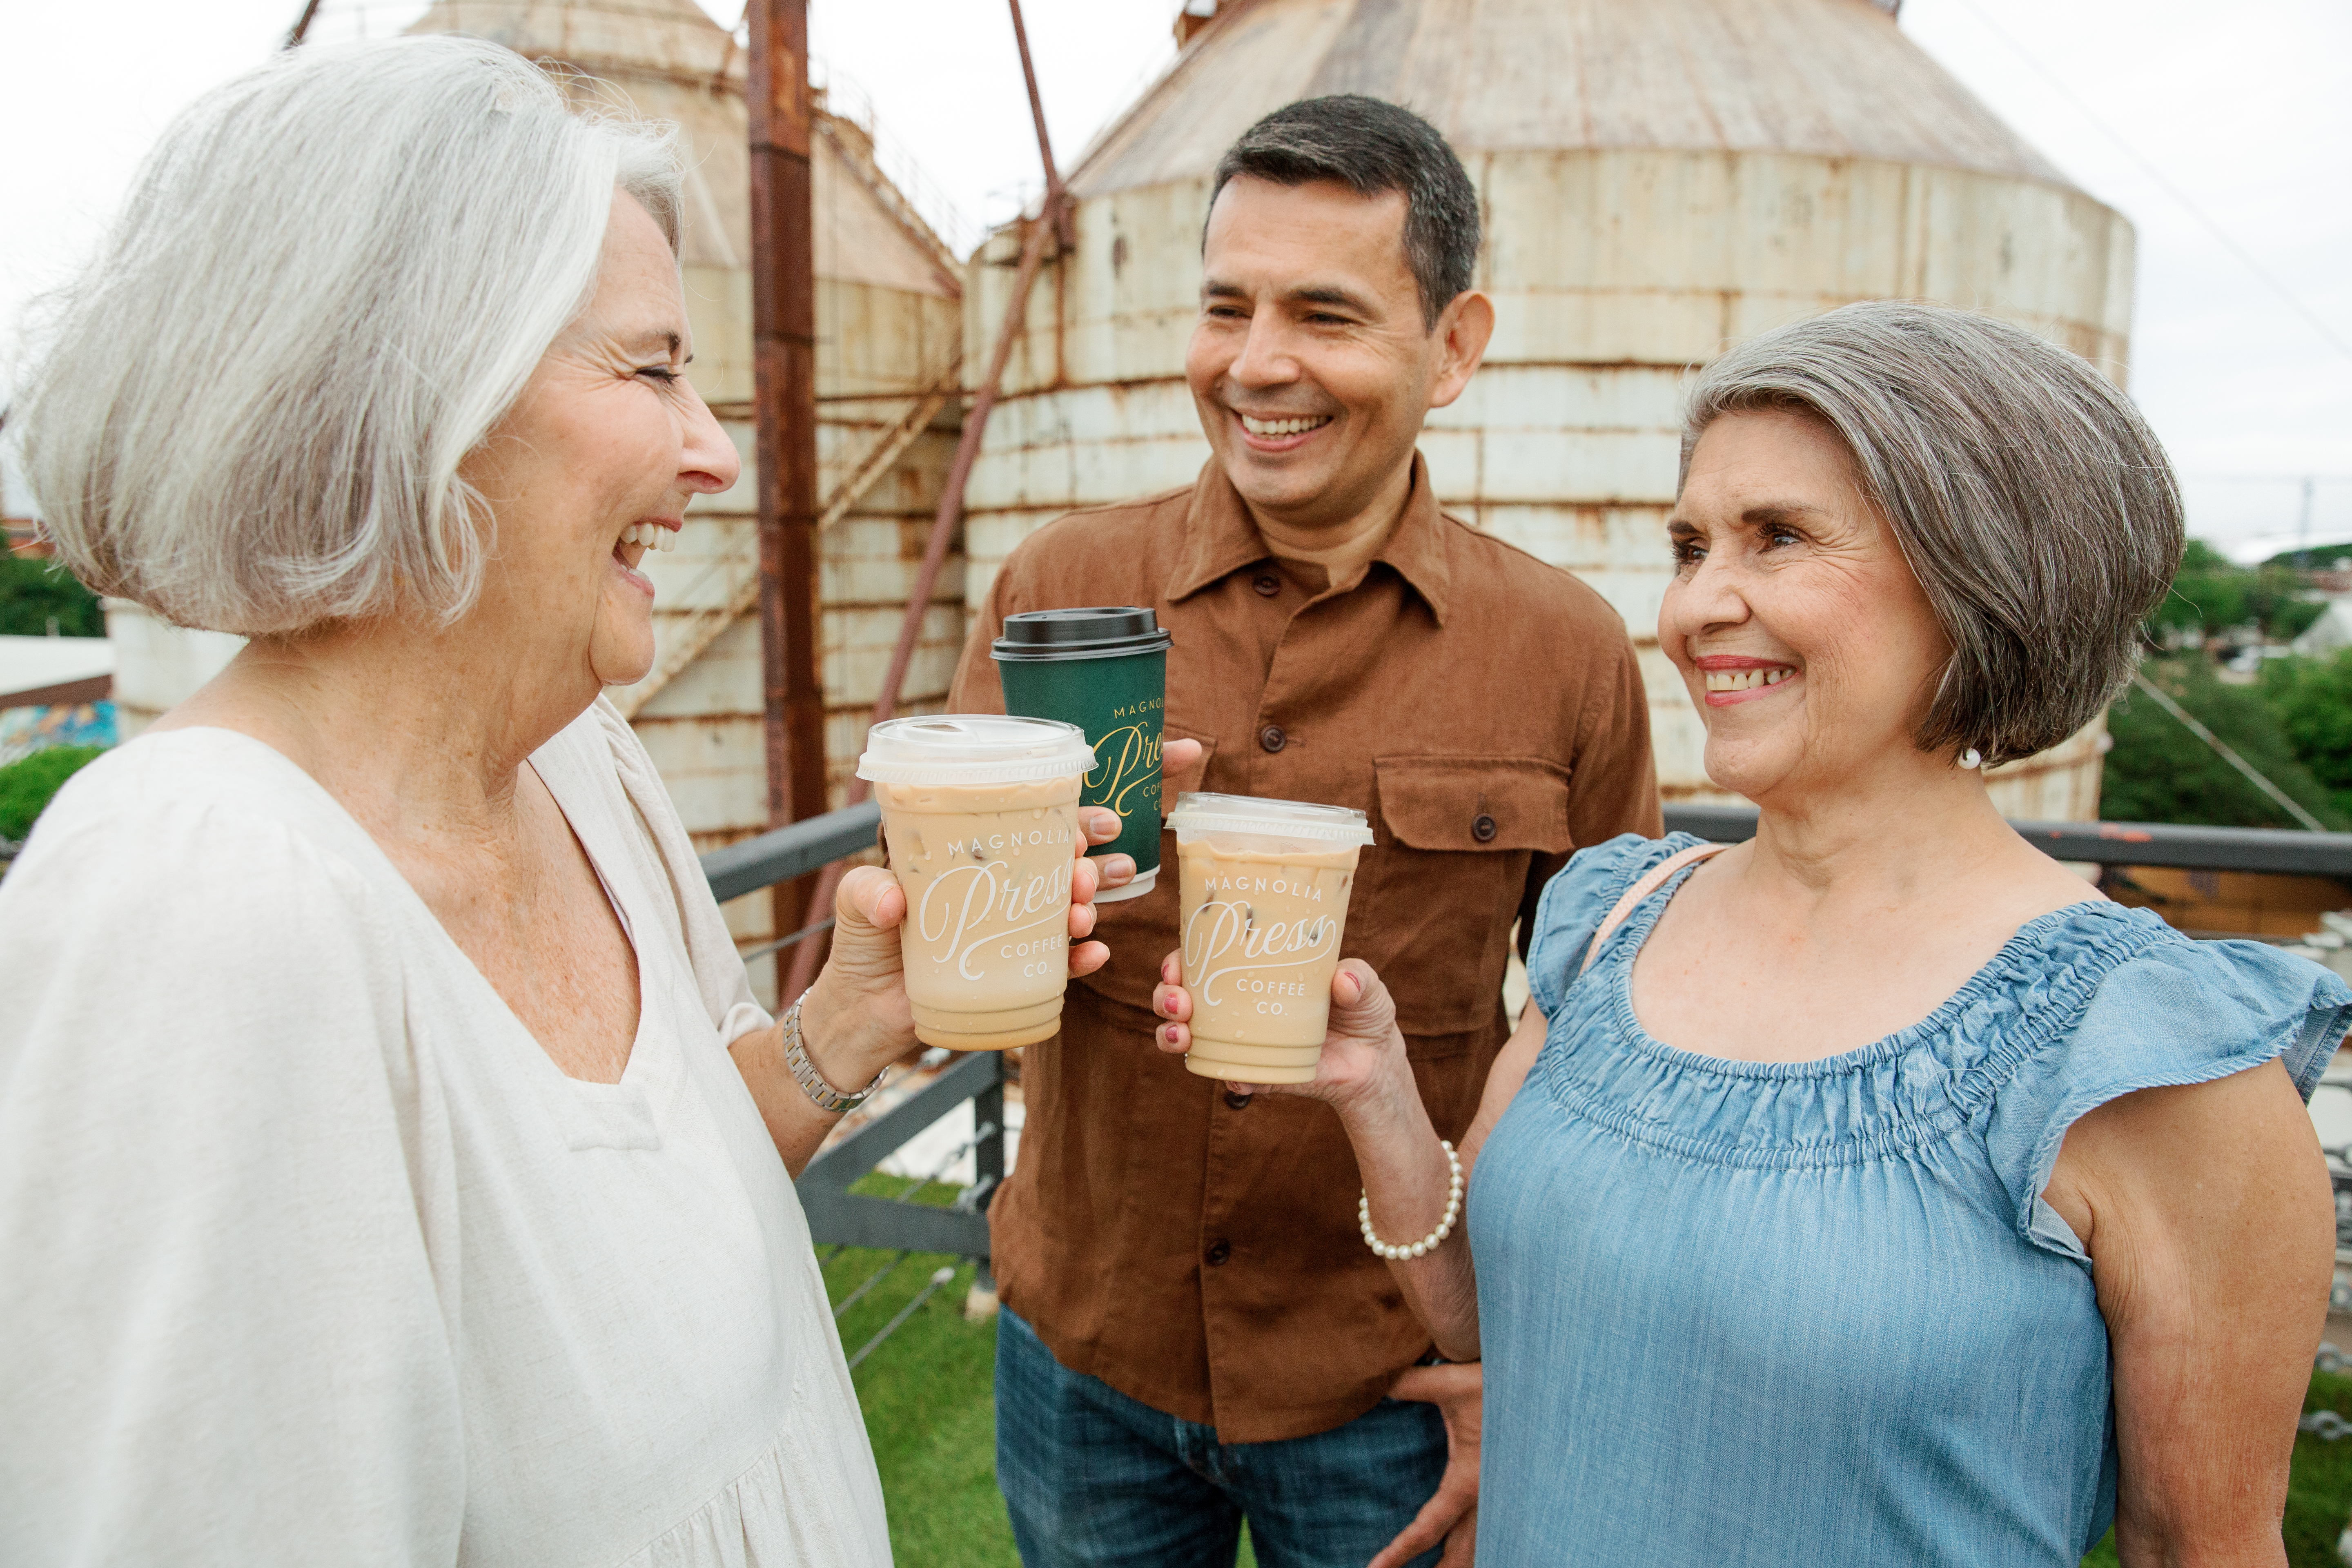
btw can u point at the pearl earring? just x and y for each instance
(1971, 757)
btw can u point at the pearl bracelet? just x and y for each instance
(1429, 1243)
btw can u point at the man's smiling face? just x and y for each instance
(1312, 365)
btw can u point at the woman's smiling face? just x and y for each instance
(1798, 628)
(594, 464)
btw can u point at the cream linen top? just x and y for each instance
(309, 1254)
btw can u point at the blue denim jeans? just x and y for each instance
(1095, 1479)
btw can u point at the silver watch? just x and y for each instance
(822, 1095)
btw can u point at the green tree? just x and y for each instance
(2312, 700)
(26, 784)
(2158, 772)
(33, 593)
(2212, 592)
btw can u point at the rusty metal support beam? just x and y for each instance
(1053, 220)
(949, 515)
(1056, 209)
(944, 524)
(301, 28)
(706, 626)
(784, 337)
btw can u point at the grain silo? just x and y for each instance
(1659, 179)
(889, 343)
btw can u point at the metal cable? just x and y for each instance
(2220, 749)
(871, 1281)
(748, 953)
(945, 1273)
(2294, 301)
(939, 1171)
(914, 1188)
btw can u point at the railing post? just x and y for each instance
(783, 340)
(988, 1174)
(988, 1154)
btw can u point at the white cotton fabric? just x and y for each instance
(309, 1254)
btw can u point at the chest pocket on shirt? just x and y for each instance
(1440, 888)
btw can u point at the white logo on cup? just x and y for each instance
(989, 892)
(1231, 926)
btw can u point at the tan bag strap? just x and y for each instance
(1650, 883)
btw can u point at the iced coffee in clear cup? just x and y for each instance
(1264, 888)
(980, 818)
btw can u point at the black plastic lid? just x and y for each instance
(1099, 631)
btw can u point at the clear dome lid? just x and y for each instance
(1200, 813)
(974, 749)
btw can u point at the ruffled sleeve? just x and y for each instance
(2179, 1012)
(1578, 899)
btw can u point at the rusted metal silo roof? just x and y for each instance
(1828, 78)
(670, 62)
(675, 38)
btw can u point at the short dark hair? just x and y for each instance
(1372, 148)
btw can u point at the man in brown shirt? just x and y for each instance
(1223, 1343)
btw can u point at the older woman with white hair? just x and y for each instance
(395, 1166)
(1875, 1191)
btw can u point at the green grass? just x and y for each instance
(930, 1397)
(929, 1394)
(2319, 1494)
(26, 785)
(2319, 1490)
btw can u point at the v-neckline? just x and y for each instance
(632, 1073)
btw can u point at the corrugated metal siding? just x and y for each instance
(1635, 247)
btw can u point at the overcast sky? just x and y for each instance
(2244, 109)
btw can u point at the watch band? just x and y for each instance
(822, 1095)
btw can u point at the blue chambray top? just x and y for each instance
(1818, 1312)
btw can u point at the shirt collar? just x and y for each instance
(1222, 540)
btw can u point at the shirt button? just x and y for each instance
(1483, 830)
(1267, 584)
(1272, 738)
(1218, 1252)
(1235, 1101)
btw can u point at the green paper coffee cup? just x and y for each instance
(1104, 668)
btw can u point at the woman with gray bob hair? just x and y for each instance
(394, 1164)
(1874, 1190)
(2024, 490)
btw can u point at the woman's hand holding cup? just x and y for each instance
(1362, 1068)
(857, 1020)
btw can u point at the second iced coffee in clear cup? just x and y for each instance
(1264, 888)
(980, 818)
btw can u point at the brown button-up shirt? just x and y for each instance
(1484, 710)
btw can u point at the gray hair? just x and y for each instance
(330, 279)
(1373, 147)
(2033, 502)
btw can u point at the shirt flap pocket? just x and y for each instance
(1475, 802)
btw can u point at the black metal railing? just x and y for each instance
(838, 1217)
(2271, 849)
